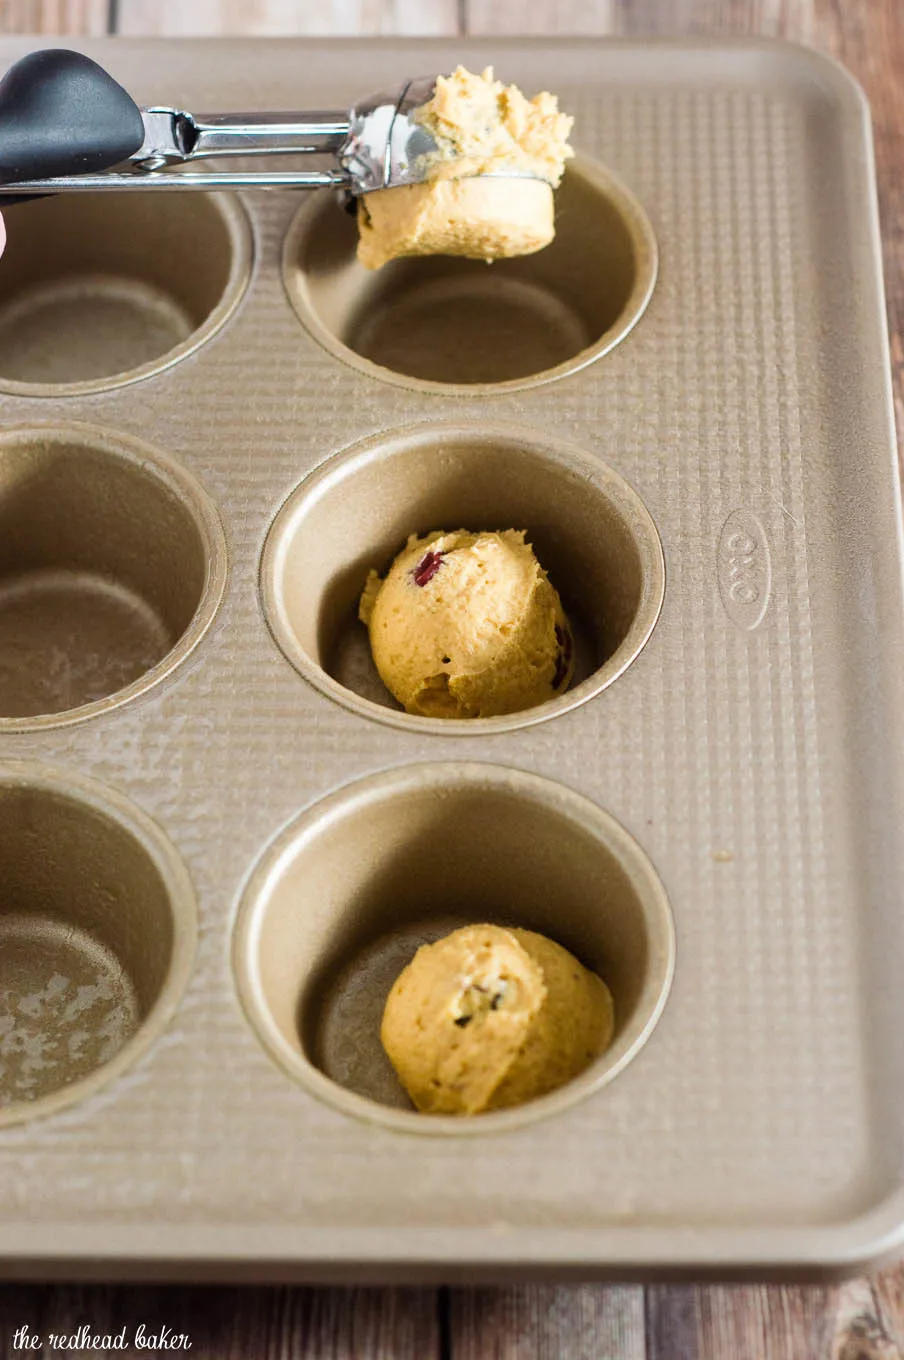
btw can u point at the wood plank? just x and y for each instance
(842, 1322)
(888, 1289)
(64, 17)
(230, 1324)
(546, 1322)
(497, 17)
(768, 18)
(642, 18)
(345, 18)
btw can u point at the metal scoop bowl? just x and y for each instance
(67, 125)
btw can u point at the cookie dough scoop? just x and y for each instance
(67, 126)
(438, 165)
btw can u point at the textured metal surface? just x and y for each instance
(366, 879)
(588, 528)
(112, 567)
(97, 934)
(746, 749)
(104, 287)
(438, 325)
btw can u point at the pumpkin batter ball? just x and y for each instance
(489, 1017)
(481, 128)
(468, 626)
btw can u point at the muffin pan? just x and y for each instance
(320, 940)
(437, 323)
(219, 837)
(590, 531)
(112, 565)
(105, 292)
(97, 932)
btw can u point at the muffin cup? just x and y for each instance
(343, 897)
(446, 324)
(97, 935)
(589, 529)
(112, 566)
(106, 290)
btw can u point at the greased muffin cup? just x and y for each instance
(440, 323)
(112, 567)
(220, 839)
(346, 894)
(97, 933)
(589, 529)
(107, 290)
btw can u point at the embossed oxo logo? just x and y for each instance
(744, 570)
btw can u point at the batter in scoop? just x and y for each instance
(481, 129)
(491, 1017)
(468, 626)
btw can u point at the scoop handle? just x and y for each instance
(62, 114)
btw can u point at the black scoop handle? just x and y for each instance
(61, 114)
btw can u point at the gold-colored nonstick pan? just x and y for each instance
(220, 837)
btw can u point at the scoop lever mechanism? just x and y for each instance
(67, 125)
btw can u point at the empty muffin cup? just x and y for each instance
(103, 289)
(112, 565)
(97, 935)
(341, 900)
(589, 530)
(443, 322)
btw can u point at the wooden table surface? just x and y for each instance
(860, 1320)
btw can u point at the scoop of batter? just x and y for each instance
(485, 219)
(490, 1017)
(468, 626)
(481, 128)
